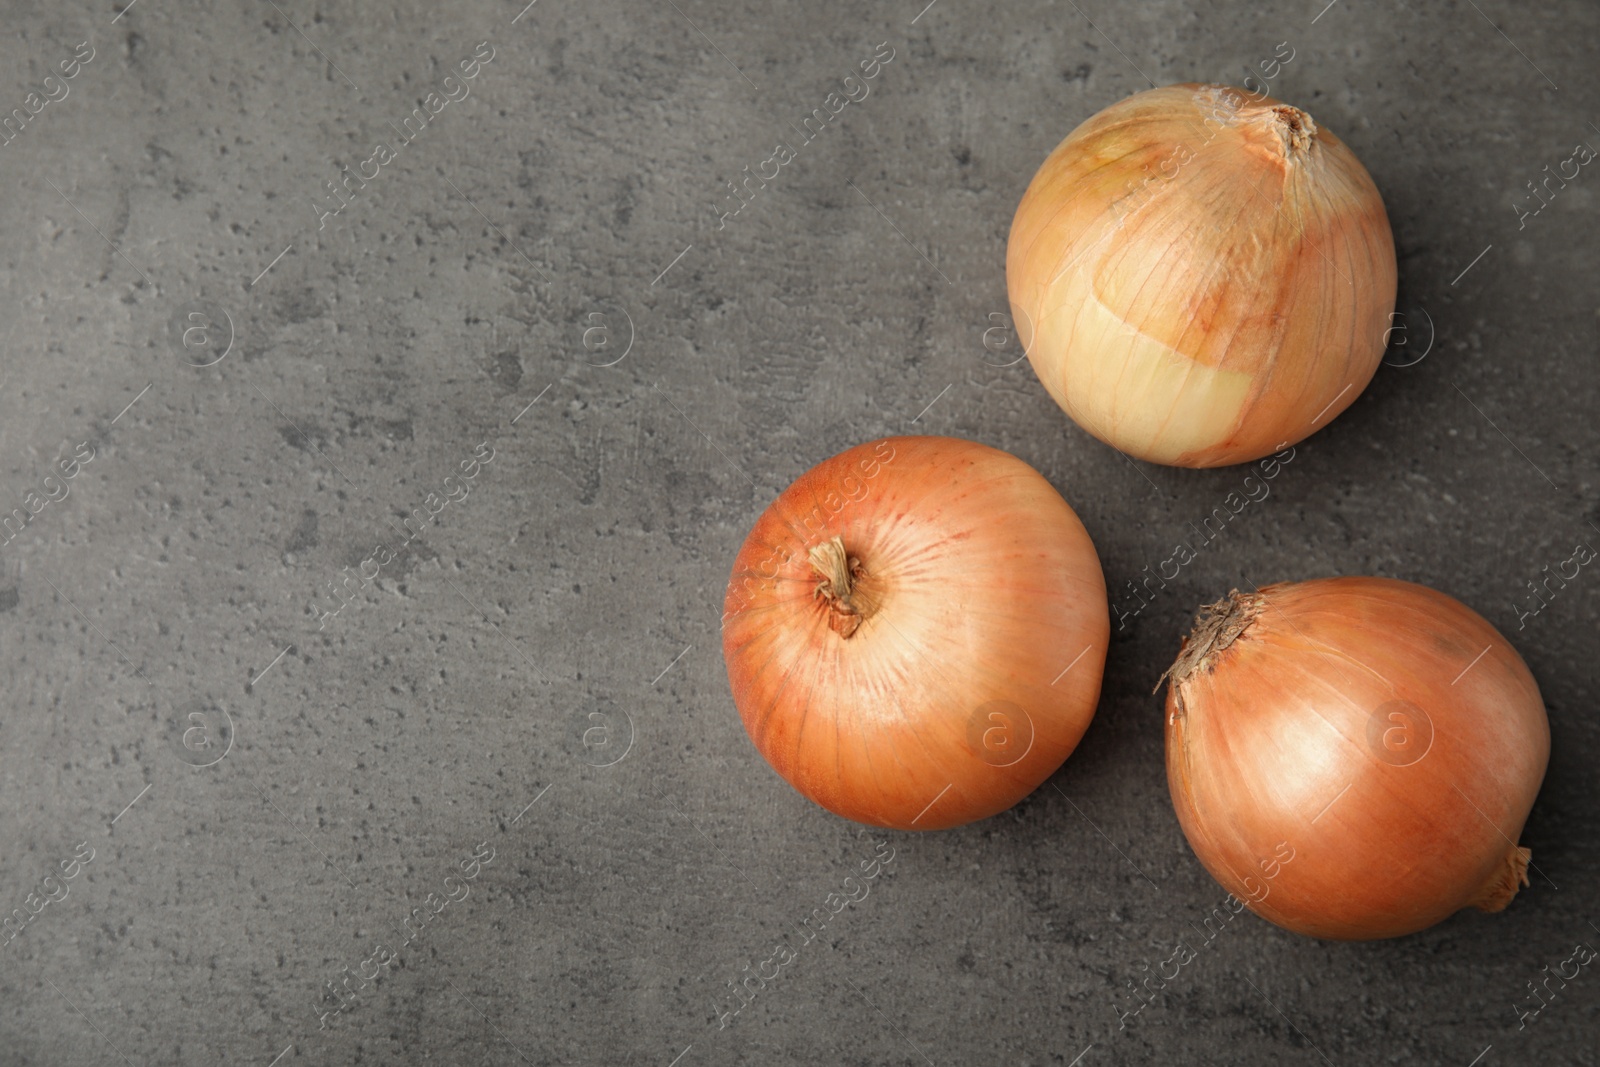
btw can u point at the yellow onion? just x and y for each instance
(915, 632)
(1354, 758)
(1201, 276)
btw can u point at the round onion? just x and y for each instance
(1201, 276)
(1380, 735)
(915, 632)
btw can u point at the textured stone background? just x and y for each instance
(574, 595)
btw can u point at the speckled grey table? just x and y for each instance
(365, 671)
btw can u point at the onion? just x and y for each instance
(1201, 276)
(915, 632)
(1381, 735)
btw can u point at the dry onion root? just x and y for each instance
(1201, 276)
(915, 632)
(1387, 734)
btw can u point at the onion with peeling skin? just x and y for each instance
(915, 632)
(1201, 276)
(1382, 734)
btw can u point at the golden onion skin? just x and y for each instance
(1383, 735)
(976, 668)
(1201, 276)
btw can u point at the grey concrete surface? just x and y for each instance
(269, 388)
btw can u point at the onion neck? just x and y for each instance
(848, 607)
(1278, 131)
(1508, 876)
(1216, 627)
(1296, 129)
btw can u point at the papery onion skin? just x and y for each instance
(1201, 276)
(1386, 732)
(974, 664)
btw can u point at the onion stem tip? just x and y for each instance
(1216, 627)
